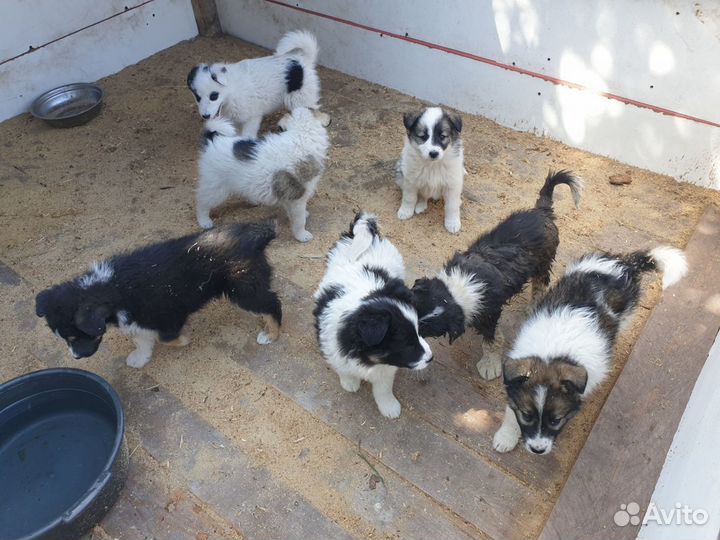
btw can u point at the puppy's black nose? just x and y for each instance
(206, 116)
(536, 450)
(433, 154)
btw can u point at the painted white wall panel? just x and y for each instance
(92, 53)
(618, 46)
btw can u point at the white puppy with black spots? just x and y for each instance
(431, 164)
(279, 169)
(246, 91)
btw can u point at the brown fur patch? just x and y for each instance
(307, 169)
(286, 185)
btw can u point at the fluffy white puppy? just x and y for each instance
(247, 90)
(280, 169)
(431, 164)
(366, 324)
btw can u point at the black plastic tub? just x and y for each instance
(63, 457)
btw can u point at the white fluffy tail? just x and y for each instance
(364, 231)
(671, 262)
(299, 42)
(221, 126)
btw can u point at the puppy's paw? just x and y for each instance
(349, 383)
(389, 407)
(452, 225)
(181, 341)
(137, 359)
(324, 118)
(490, 366)
(264, 338)
(205, 222)
(421, 206)
(505, 439)
(405, 213)
(303, 236)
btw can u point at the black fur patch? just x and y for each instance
(293, 76)
(159, 286)
(328, 295)
(379, 332)
(191, 78)
(207, 137)
(245, 149)
(438, 313)
(379, 273)
(286, 186)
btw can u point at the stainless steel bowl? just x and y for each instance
(69, 105)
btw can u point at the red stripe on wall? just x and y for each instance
(501, 65)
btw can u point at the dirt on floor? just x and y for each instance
(127, 178)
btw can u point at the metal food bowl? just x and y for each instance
(63, 456)
(68, 106)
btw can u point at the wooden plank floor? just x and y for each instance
(230, 439)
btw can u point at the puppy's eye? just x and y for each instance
(443, 136)
(214, 96)
(527, 418)
(555, 423)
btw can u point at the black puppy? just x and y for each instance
(475, 285)
(149, 293)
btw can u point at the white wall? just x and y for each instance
(636, 49)
(88, 54)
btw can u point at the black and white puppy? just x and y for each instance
(149, 293)
(279, 169)
(564, 349)
(247, 90)
(476, 284)
(366, 324)
(431, 164)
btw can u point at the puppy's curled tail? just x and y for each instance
(666, 259)
(363, 231)
(300, 42)
(575, 183)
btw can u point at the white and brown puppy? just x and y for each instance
(247, 90)
(366, 324)
(279, 169)
(431, 164)
(476, 284)
(150, 292)
(564, 350)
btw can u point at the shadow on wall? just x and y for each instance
(648, 59)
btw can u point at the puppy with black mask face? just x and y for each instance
(366, 324)
(149, 293)
(431, 164)
(564, 350)
(476, 284)
(245, 91)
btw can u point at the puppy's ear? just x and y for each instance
(218, 74)
(517, 371)
(192, 74)
(41, 303)
(455, 323)
(455, 121)
(373, 327)
(91, 318)
(573, 378)
(411, 118)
